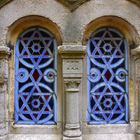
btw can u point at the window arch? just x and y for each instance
(35, 77)
(107, 62)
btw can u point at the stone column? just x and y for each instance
(72, 58)
(4, 52)
(136, 56)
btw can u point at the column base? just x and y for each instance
(72, 133)
(137, 136)
(138, 133)
(72, 138)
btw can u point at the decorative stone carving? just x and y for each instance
(4, 51)
(72, 4)
(72, 85)
(72, 51)
(137, 40)
(136, 51)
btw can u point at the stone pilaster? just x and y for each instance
(136, 56)
(72, 58)
(4, 52)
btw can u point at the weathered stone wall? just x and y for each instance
(72, 30)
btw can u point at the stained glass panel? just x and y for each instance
(107, 77)
(35, 77)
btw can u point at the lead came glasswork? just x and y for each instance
(107, 77)
(35, 78)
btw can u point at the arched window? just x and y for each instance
(35, 77)
(107, 77)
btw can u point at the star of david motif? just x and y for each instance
(35, 57)
(108, 95)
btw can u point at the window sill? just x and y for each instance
(109, 128)
(35, 129)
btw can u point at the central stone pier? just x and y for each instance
(72, 59)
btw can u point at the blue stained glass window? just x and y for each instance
(35, 77)
(107, 77)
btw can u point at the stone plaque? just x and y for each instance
(72, 66)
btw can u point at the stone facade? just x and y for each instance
(72, 23)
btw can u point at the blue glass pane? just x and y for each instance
(35, 78)
(107, 77)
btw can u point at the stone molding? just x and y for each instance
(72, 126)
(71, 4)
(72, 51)
(72, 134)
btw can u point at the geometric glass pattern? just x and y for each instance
(35, 77)
(107, 77)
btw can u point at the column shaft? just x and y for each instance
(72, 119)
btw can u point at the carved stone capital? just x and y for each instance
(4, 52)
(72, 51)
(137, 40)
(136, 52)
(72, 85)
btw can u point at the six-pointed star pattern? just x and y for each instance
(35, 87)
(107, 77)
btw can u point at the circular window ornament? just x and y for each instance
(22, 75)
(95, 75)
(49, 75)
